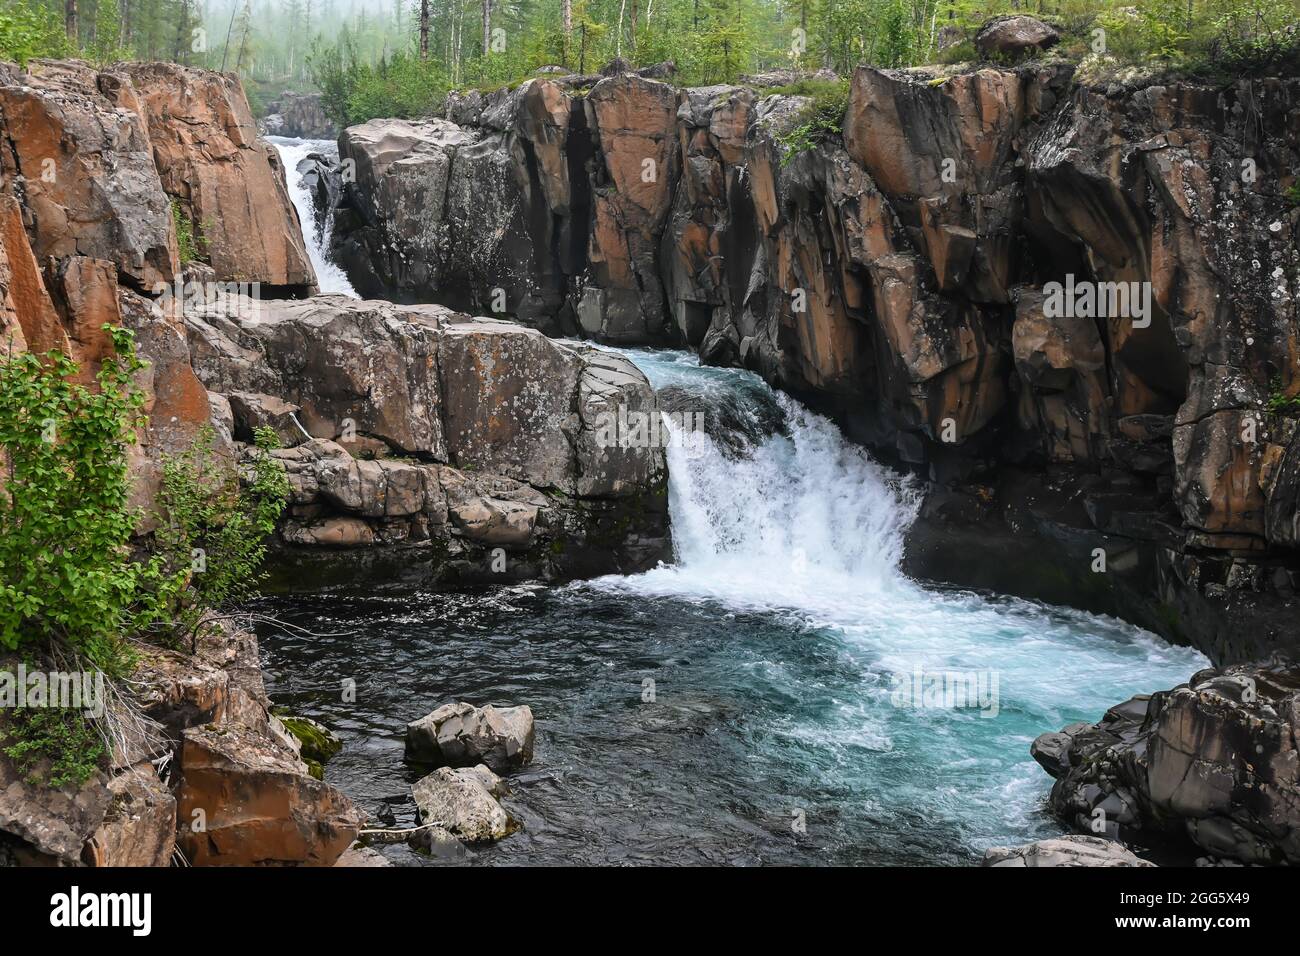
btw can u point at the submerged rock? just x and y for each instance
(1064, 851)
(1213, 761)
(461, 734)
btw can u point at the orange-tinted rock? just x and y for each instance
(245, 801)
(82, 151)
(229, 182)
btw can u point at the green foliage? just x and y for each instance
(70, 586)
(1280, 403)
(29, 29)
(66, 576)
(192, 248)
(821, 118)
(353, 91)
(213, 526)
(61, 735)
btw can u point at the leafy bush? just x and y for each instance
(71, 590)
(66, 575)
(62, 735)
(213, 527)
(29, 30)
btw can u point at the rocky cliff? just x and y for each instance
(458, 447)
(1070, 309)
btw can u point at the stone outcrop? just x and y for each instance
(414, 426)
(462, 735)
(464, 803)
(298, 114)
(233, 789)
(228, 182)
(1065, 851)
(1212, 762)
(910, 278)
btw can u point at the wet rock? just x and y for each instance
(463, 802)
(460, 735)
(1213, 761)
(1064, 851)
(438, 843)
(362, 856)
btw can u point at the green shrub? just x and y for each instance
(29, 30)
(213, 526)
(63, 736)
(821, 118)
(66, 574)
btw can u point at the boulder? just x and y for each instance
(253, 410)
(80, 145)
(463, 802)
(462, 735)
(244, 800)
(139, 828)
(1014, 36)
(362, 856)
(1064, 851)
(1213, 761)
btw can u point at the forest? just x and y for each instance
(399, 58)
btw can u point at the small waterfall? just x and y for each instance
(771, 506)
(329, 276)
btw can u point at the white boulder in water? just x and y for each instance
(463, 802)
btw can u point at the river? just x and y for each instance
(751, 702)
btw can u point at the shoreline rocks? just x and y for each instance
(463, 802)
(1067, 851)
(1212, 763)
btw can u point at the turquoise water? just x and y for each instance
(749, 703)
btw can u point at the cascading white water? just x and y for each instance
(329, 276)
(803, 529)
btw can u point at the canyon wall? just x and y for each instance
(1136, 455)
(140, 196)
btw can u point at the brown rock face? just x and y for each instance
(243, 801)
(633, 124)
(229, 182)
(81, 149)
(140, 826)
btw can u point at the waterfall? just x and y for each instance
(770, 505)
(329, 276)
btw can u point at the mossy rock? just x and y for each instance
(319, 743)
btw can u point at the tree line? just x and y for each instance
(398, 57)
